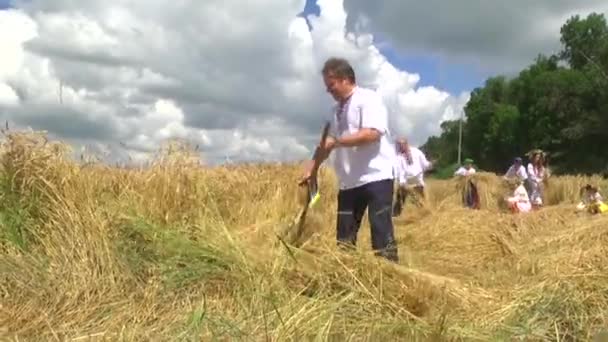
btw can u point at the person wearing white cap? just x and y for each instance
(466, 169)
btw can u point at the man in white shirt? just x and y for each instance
(517, 170)
(363, 159)
(410, 166)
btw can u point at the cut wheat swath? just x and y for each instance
(176, 251)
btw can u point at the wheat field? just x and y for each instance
(181, 252)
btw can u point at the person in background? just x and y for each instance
(466, 169)
(470, 196)
(363, 159)
(519, 201)
(591, 200)
(536, 177)
(410, 166)
(516, 170)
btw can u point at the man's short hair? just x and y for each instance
(339, 67)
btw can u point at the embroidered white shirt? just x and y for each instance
(414, 172)
(356, 166)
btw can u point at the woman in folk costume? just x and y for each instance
(410, 166)
(591, 200)
(536, 177)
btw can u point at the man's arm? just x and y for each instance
(522, 172)
(509, 173)
(424, 162)
(363, 136)
(320, 154)
(374, 123)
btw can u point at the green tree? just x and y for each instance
(584, 40)
(559, 103)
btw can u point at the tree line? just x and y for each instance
(559, 104)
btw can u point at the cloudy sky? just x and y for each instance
(240, 79)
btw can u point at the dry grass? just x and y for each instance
(177, 251)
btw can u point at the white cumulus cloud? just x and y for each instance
(241, 80)
(496, 36)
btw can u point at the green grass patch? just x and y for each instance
(444, 172)
(18, 216)
(155, 250)
(13, 229)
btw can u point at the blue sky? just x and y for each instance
(4, 4)
(443, 74)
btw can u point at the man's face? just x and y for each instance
(339, 88)
(401, 146)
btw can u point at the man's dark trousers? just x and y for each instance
(377, 197)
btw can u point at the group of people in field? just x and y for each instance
(528, 185)
(527, 182)
(411, 164)
(367, 164)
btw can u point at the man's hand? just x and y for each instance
(321, 153)
(307, 174)
(330, 144)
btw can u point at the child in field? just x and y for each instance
(592, 200)
(519, 202)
